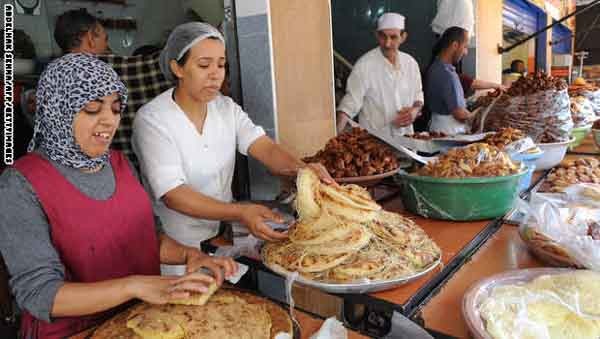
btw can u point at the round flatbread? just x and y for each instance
(228, 314)
(307, 185)
(355, 238)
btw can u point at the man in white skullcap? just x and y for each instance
(384, 88)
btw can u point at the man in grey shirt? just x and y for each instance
(444, 94)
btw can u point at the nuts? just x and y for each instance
(569, 172)
(504, 137)
(475, 160)
(355, 153)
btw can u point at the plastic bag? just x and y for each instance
(592, 94)
(567, 219)
(458, 13)
(550, 306)
(582, 111)
(545, 116)
(247, 246)
(331, 329)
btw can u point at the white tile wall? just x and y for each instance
(155, 19)
(245, 8)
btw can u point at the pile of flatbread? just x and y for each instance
(343, 236)
(227, 314)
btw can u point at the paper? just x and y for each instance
(331, 329)
(242, 269)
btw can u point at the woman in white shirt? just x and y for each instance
(186, 140)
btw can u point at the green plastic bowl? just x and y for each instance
(579, 133)
(460, 199)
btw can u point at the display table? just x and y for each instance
(504, 251)
(471, 251)
(455, 239)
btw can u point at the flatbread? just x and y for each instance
(154, 323)
(197, 299)
(295, 258)
(307, 184)
(352, 241)
(227, 314)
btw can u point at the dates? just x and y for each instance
(504, 137)
(355, 153)
(534, 83)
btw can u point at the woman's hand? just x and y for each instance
(160, 289)
(221, 267)
(321, 172)
(254, 217)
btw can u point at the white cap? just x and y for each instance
(390, 21)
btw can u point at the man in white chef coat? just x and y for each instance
(384, 88)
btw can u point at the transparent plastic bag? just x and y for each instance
(544, 116)
(566, 219)
(549, 306)
(582, 111)
(593, 95)
(572, 291)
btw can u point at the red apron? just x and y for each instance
(96, 239)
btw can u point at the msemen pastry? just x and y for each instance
(343, 236)
(227, 314)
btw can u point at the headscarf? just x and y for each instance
(181, 40)
(65, 87)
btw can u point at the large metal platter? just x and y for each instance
(357, 287)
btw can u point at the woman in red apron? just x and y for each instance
(88, 252)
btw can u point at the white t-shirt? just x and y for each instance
(378, 90)
(172, 152)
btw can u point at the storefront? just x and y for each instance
(521, 18)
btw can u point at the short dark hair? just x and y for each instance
(452, 34)
(515, 63)
(71, 25)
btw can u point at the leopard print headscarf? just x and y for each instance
(65, 87)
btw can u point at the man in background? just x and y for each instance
(384, 88)
(77, 31)
(444, 92)
(516, 70)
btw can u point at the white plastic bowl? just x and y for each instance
(553, 154)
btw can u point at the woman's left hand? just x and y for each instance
(221, 267)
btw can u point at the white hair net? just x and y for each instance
(181, 40)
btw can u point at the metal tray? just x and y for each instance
(357, 287)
